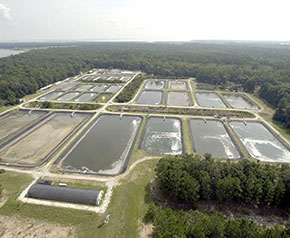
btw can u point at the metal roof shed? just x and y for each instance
(66, 194)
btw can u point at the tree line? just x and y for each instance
(168, 223)
(265, 67)
(191, 178)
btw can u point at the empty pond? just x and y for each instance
(51, 96)
(210, 136)
(98, 88)
(114, 88)
(18, 120)
(162, 136)
(209, 100)
(150, 97)
(105, 147)
(154, 84)
(86, 97)
(84, 87)
(68, 96)
(178, 99)
(260, 142)
(33, 148)
(239, 101)
(178, 85)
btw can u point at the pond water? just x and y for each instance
(178, 99)
(260, 142)
(162, 136)
(84, 87)
(33, 148)
(205, 99)
(68, 96)
(150, 97)
(68, 85)
(105, 147)
(239, 101)
(114, 88)
(6, 52)
(51, 96)
(86, 97)
(210, 136)
(178, 85)
(154, 84)
(99, 88)
(18, 120)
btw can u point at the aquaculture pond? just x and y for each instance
(260, 142)
(239, 101)
(68, 85)
(99, 88)
(18, 120)
(178, 99)
(150, 97)
(210, 136)
(86, 97)
(84, 87)
(205, 99)
(162, 136)
(34, 147)
(105, 148)
(51, 96)
(155, 84)
(178, 85)
(114, 88)
(68, 96)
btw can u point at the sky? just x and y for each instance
(144, 20)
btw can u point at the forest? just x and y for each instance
(259, 68)
(191, 178)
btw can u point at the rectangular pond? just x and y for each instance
(99, 88)
(68, 85)
(178, 85)
(162, 136)
(260, 142)
(68, 96)
(84, 87)
(240, 101)
(105, 147)
(15, 121)
(85, 97)
(210, 136)
(33, 148)
(205, 99)
(51, 96)
(179, 99)
(114, 88)
(150, 97)
(154, 84)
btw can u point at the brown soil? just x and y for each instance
(146, 231)
(11, 227)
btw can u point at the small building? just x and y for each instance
(65, 194)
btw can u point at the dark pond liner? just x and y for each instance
(226, 129)
(181, 129)
(89, 127)
(102, 94)
(269, 129)
(53, 152)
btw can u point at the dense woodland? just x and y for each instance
(192, 178)
(261, 67)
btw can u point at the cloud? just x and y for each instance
(4, 12)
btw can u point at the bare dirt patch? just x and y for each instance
(146, 231)
(11, 227)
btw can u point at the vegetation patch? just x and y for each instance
(57, 105)
(181, 111)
